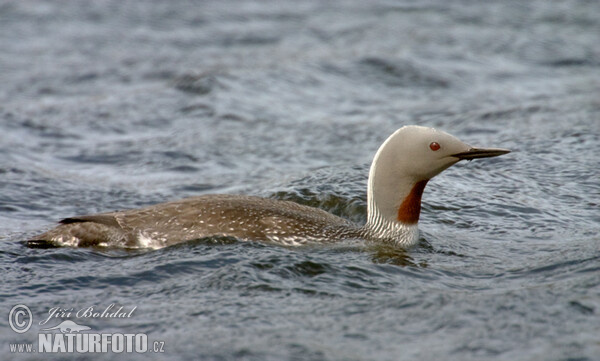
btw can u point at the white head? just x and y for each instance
(401, 168)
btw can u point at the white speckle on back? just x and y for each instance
(146, 241)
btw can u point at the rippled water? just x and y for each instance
(112, 105)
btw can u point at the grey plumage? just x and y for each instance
(243, 217)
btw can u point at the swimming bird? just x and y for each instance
(401, 168)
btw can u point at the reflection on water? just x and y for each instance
(393, 255)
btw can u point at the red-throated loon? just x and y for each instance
(404, 163)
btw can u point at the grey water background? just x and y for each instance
(117, 104)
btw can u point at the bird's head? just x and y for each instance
(421, 153)
(404, 164)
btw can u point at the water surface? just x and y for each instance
(114, 105)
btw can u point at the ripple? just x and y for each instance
(200, 84)
(401, 73)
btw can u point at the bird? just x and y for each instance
(400, 170)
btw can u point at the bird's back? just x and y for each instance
(242, 217)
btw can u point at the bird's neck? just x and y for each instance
(410, 208)
(393, 210)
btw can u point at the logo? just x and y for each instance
(69, 336)
(68, 326)
(20, 318)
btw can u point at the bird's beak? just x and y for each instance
(474, 153)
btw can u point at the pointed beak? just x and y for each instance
(474, 153)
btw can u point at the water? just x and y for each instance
(112, 105)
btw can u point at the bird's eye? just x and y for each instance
(434, 146)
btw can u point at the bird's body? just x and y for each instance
(398, 175)
(242, 217)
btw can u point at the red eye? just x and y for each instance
(434, 146)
